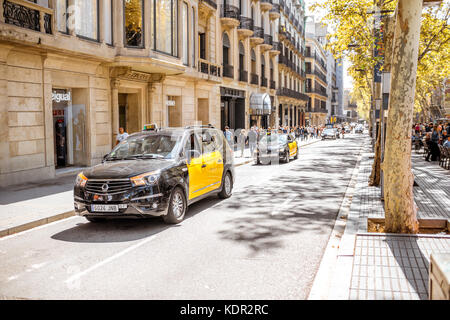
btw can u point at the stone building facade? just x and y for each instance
(72, 72)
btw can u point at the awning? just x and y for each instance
(260, 104)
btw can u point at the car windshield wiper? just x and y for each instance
(147, 156)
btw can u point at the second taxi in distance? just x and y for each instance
(273, 147)
(157, 172)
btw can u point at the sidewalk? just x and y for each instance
(30, 205)
(369, 266)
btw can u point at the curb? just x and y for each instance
(36, 223)
(68, 214)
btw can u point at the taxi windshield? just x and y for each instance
(154, 146)
(273, 139)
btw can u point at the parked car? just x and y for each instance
(157, 172)
(329, 133)
(359, 129)
(277, 147)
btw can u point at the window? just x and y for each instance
(193, 36)
(202, 44)
(86, 19)
(133, 23)
(108, 21)
(61, 15)
(166, 26)
(184, 19)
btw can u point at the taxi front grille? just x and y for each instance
(108, 186)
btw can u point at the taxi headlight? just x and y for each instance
(145, 179)
(81, 180)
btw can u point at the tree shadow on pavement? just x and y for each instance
(413, 263)
(304, 198)
(124, 230)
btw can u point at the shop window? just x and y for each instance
(69, 118)
(86, 19)
(134, 26)
(165, 26)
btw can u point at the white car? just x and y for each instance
(329, 134)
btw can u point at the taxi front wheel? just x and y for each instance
(227, 186)
(177, 207)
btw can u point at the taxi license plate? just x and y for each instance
(105, 208)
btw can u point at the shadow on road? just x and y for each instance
(293, 202)
(124, 230)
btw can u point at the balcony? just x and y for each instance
(229, 16)
(272, 84)
(318, 74)
(258, 35)
(276, 48)
(267, 45)
(254, 79)
(211, 3)
(243, 76)
(274, 13)
(245, 28)
(317, 91)
(210, 69)
(228, 71)
(285, 92)
(318, 59)
(264, 82)
(266, 5)
(28, 15)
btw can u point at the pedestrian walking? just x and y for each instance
(121, 136)
(252, 140)
(228, 135)
(241, 141)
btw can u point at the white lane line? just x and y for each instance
(114, 257)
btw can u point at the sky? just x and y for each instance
(317, 16)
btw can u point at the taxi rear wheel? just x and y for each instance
(177, 207)
(227, 186)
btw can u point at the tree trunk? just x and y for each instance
(400, 209)
(374, 180)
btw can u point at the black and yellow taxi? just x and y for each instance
(274, 147)
(157, 172)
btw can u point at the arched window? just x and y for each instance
(253, 57)
(241, 56)
(225, 49)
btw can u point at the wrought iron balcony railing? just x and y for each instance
(275, 8)
(243, 76)
(209, 68)
(263, 82)
(229, 11)
(285, 92)
(268, 39)
(246, 23)
(258, 32)
(272, 84)
(254, 79)
(28, 15)
(212, 3)
(228, 71)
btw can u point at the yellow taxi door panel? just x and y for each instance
(292, 148)
(217, 169)
(196, 179)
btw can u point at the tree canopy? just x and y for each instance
(351, 37)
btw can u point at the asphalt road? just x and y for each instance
(265, 242)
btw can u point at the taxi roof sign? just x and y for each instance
(150, 127)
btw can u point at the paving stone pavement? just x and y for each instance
(396, 267)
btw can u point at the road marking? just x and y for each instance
(114, 257)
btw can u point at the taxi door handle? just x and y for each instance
(219, 161)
